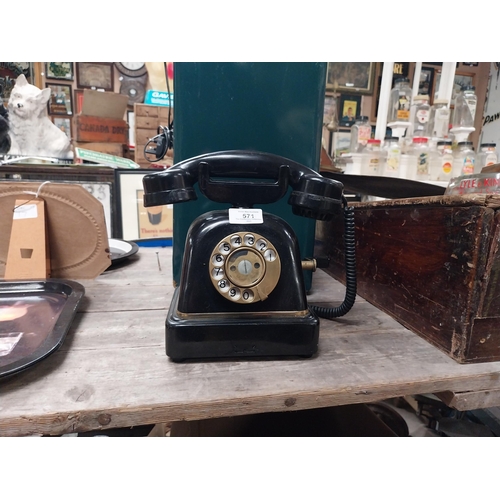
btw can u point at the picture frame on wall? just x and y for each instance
(60, 102)
(349, 109)
(353, 77)
(135, 221)
(63, 124)
(94, 75)
(59, 70)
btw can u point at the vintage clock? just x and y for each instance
(133, 78)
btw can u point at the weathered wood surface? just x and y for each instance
(112, 370)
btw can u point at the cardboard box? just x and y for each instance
(102, 118)
(433, 264)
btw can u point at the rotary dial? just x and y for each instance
(244, 267)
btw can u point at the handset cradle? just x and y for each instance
(241, 291)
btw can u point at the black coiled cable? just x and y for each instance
(350, 268)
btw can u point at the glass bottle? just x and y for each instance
(441, 164)
(391, 154)
(422, 116)
(464, 159)
(465, 108)
(440, 118)
(371, 158)
(399, 101)
(361, 132)
(420, 150)
(487, 156)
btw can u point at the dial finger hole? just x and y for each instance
(261, 245)
(249, 240)
(234, 293)
(218, 260)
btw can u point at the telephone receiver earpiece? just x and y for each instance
(244, 179)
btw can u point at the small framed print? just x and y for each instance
(94, 75)
(135, 221)
(60, 102)
(63, 124)
(59, 70)
(349, 109)
(354, 77)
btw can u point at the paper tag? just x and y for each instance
(26, 212)
(245, 216)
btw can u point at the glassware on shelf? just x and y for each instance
(391, 157)
(486, 156)
(421, 152)
(440, 119)
(361, 132)
(464, 114)
(464, 159)
(441, 162)
(421, 116)
(372, 155)
(400, 101)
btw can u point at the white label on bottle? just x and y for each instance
(423, 115)
(491, 159)
(447, 163)
(468, 165)
(423, 164)
(245, 216)
(364, 134)
(393, 160)
(373, 163)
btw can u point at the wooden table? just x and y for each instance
(112, 370)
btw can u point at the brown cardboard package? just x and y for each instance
(75, 224)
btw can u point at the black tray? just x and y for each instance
(35, 317)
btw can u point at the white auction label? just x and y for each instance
(245, 216)
(26, 212)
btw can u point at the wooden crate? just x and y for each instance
(431, 263)
(97, 129)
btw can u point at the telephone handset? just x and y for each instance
(241, 290)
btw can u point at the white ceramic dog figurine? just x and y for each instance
(31, 131)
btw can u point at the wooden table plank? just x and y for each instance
(112, 370)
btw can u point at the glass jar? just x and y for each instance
(486, 156)
(440, 119)
(391, 157)
(361, 132)
(372, 154)
(465, 108)
(421, 152)
(400, 101)
(464, 159)
(421, 116)
(441, 163)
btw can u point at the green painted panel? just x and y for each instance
(270, 107)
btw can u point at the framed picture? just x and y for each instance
(60, 102)
(59, 70)
(349, 109)
(341, 143)
(426, 82)
(63, 124)
(354, 77)
(94, 75)
(131, 128)
(78, 101)
(137, 222)
(461, 80)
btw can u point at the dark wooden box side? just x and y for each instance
(424, 263)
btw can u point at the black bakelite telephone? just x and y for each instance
(241, 290)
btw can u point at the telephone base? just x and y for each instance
(222, 335)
